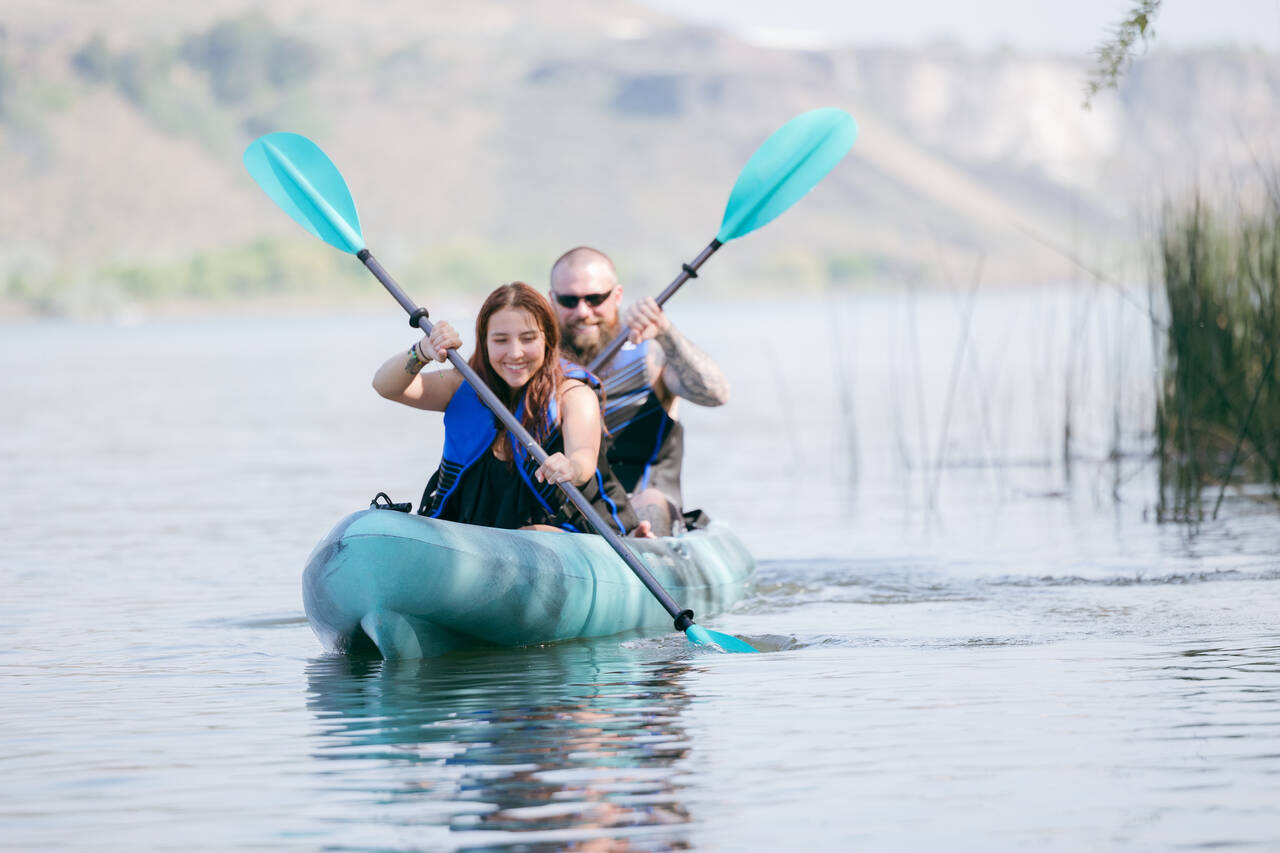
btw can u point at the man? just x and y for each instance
(642, 384)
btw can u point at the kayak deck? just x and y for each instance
(405, 586)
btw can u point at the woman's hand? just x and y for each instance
(557, 469)
(436, 345)
(401, 378)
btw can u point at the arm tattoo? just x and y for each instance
(690, 373)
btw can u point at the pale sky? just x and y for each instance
(1069, 26)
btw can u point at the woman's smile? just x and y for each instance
(515, 368)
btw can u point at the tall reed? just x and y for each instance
(1218, 400)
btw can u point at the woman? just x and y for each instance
(485, 477)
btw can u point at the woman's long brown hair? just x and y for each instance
(544, 385)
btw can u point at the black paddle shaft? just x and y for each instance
(688, 271)
(418, 319)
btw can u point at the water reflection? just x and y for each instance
(577, 746)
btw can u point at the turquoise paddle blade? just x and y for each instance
(785, 167)
(306, 185)
(703, 637)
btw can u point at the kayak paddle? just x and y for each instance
(782, 170)
(303, 181)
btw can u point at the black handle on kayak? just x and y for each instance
(418, 319)
(688, 271)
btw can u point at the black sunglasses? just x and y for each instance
(595, 300)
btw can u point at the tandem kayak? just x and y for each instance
(405, 586)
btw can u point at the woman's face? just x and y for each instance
(515, 346)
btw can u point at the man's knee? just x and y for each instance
(653, 506)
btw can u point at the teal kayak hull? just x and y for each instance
(404, 586)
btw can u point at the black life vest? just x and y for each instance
(646, 445)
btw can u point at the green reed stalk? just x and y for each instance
(1218, 404)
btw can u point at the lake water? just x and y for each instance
(976, 646)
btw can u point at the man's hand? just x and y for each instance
(646, 320)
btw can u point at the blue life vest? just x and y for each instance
(470, 430)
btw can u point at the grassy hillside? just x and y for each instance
(482, 139)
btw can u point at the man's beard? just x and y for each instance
(586, 344)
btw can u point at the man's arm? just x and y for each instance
(689, 372)
(683, 369)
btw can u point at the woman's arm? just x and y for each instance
(400, 377)
(580, 426)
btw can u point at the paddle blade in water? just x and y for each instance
(700, 636)
(303, 181)
(785, 167)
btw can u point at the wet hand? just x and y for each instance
(557, 469)
(646, 319)
(436, 345)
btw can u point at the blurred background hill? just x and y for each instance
(482, 139)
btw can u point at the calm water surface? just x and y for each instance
(972, 646)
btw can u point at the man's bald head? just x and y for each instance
(575, 261)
